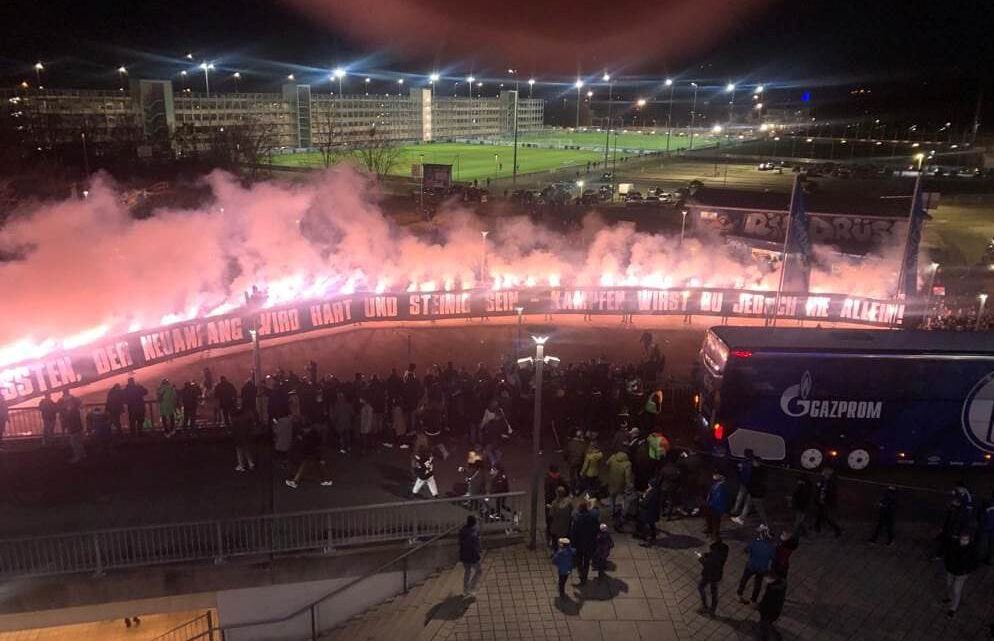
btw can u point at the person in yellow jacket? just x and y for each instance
(591, 470)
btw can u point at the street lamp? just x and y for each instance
(207, 67)
(716, 129)
(683, 225)
(921, 159)
(38, 69)
(290, 77)
(669, 114)
(469, 81)
(339, 75)
(367, 81)
(693, 114)
(121, 72)
(933, 269)
(531, 86)
(610, 102)
(759, 89)
(539, 361)
(980, 312)
(579, 85)
(730, 89)
(238, 77)
(433, 78)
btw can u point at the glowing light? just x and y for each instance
(339, 73)
(85, 337)
(669, 82)
(730, 87)
(578, 84)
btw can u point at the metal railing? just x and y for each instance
(26, 422)
(201, 627)
(271, 534)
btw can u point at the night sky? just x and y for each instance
(934, 54)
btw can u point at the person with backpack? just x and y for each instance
(760, 553)
(712, 570)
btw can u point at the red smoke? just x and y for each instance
(555, 36)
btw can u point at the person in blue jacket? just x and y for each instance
(716, 505)
(563, 560)
(760, 551)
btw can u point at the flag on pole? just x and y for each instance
(797, 244)
(908, 286)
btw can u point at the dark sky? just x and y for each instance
(932, 52)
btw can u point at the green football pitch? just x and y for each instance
(469, 161)
(646, 141)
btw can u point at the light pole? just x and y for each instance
(207, 67)
(539, 361)
(693, 114)
(669, 115)
(610, 100)
(38, 69)
(238, 78)
(579, 85)
(339, 74)
(517, 345)
(730, 89)
(514, 158)
(432, 79)
(933, 268)
(980, 312)
(496, 165)
(469, 81)
(422, 162)
(531, 86)
(683, 225)
(921, 160)
(368, 80)
(638, 112)
(121, 73)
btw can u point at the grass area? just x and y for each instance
(469, 162)
(647, 141)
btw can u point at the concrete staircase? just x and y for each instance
(408, 616)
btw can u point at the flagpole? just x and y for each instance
(907, 236)
(783, 263)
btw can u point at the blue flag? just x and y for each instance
(909, 269)
(797, 248)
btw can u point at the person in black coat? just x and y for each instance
(583, 535)
(115, 407)
(800, 502)
(826, 500)
(227, 399)
(771, 606)
(712, 570)
(190, 398)
(886, 508)
(134, 398)
(960, 561)
(648, 514)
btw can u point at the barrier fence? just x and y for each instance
(201, 627)
(297, 532)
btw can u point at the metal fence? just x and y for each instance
(25, 422)
(297, 532)
(201, 627)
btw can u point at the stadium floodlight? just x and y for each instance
(122, 70)
(531, 81)
(236, 76)
(759, 89)
(368, 80)
(730, 87)
(189, 56)
(606, 77)
(716, 129)
(578, 84)
(290, 76)
(183, 73)
(39, 66)
(590, 94)
(669, 82)
(640, 102)
(339, 73)
(400, 81)
(470, 79)
(434, 77)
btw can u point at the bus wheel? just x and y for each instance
(858, 458)
(810, 457)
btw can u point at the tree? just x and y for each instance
(332, 151)
(377, 155)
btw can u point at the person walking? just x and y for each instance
(712, 571)
(470, 555)
(189, 396)
(744, 470)
(771, 607)
(576, 451)
(310, 452)
(167, 397)
(590, 471)
(49, 413)
(134, 399)
(241, 431)
(800, 503)
(716, 504)
(756, 489)
(583, 535)
(960, 562)
(70, 416)
(424, 473)
(760, 553)
(564, 559)
(648, 514)
(602, 550)
(826, 500)
(786, 546)
(886, 508)
(620, 483)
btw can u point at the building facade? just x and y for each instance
(150, 115)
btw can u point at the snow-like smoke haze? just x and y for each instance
(85, 268)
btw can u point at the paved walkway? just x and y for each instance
(838, 590)
(152, 626)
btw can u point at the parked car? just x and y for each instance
(765, 166)
(633, 197)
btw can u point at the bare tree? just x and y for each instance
(332, 150)
(377, 155)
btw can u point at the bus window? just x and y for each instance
(714, 353)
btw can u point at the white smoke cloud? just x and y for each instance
(86, 268)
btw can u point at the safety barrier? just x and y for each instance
(290, 533)
(201, 627)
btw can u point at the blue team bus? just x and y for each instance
(847, 397)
